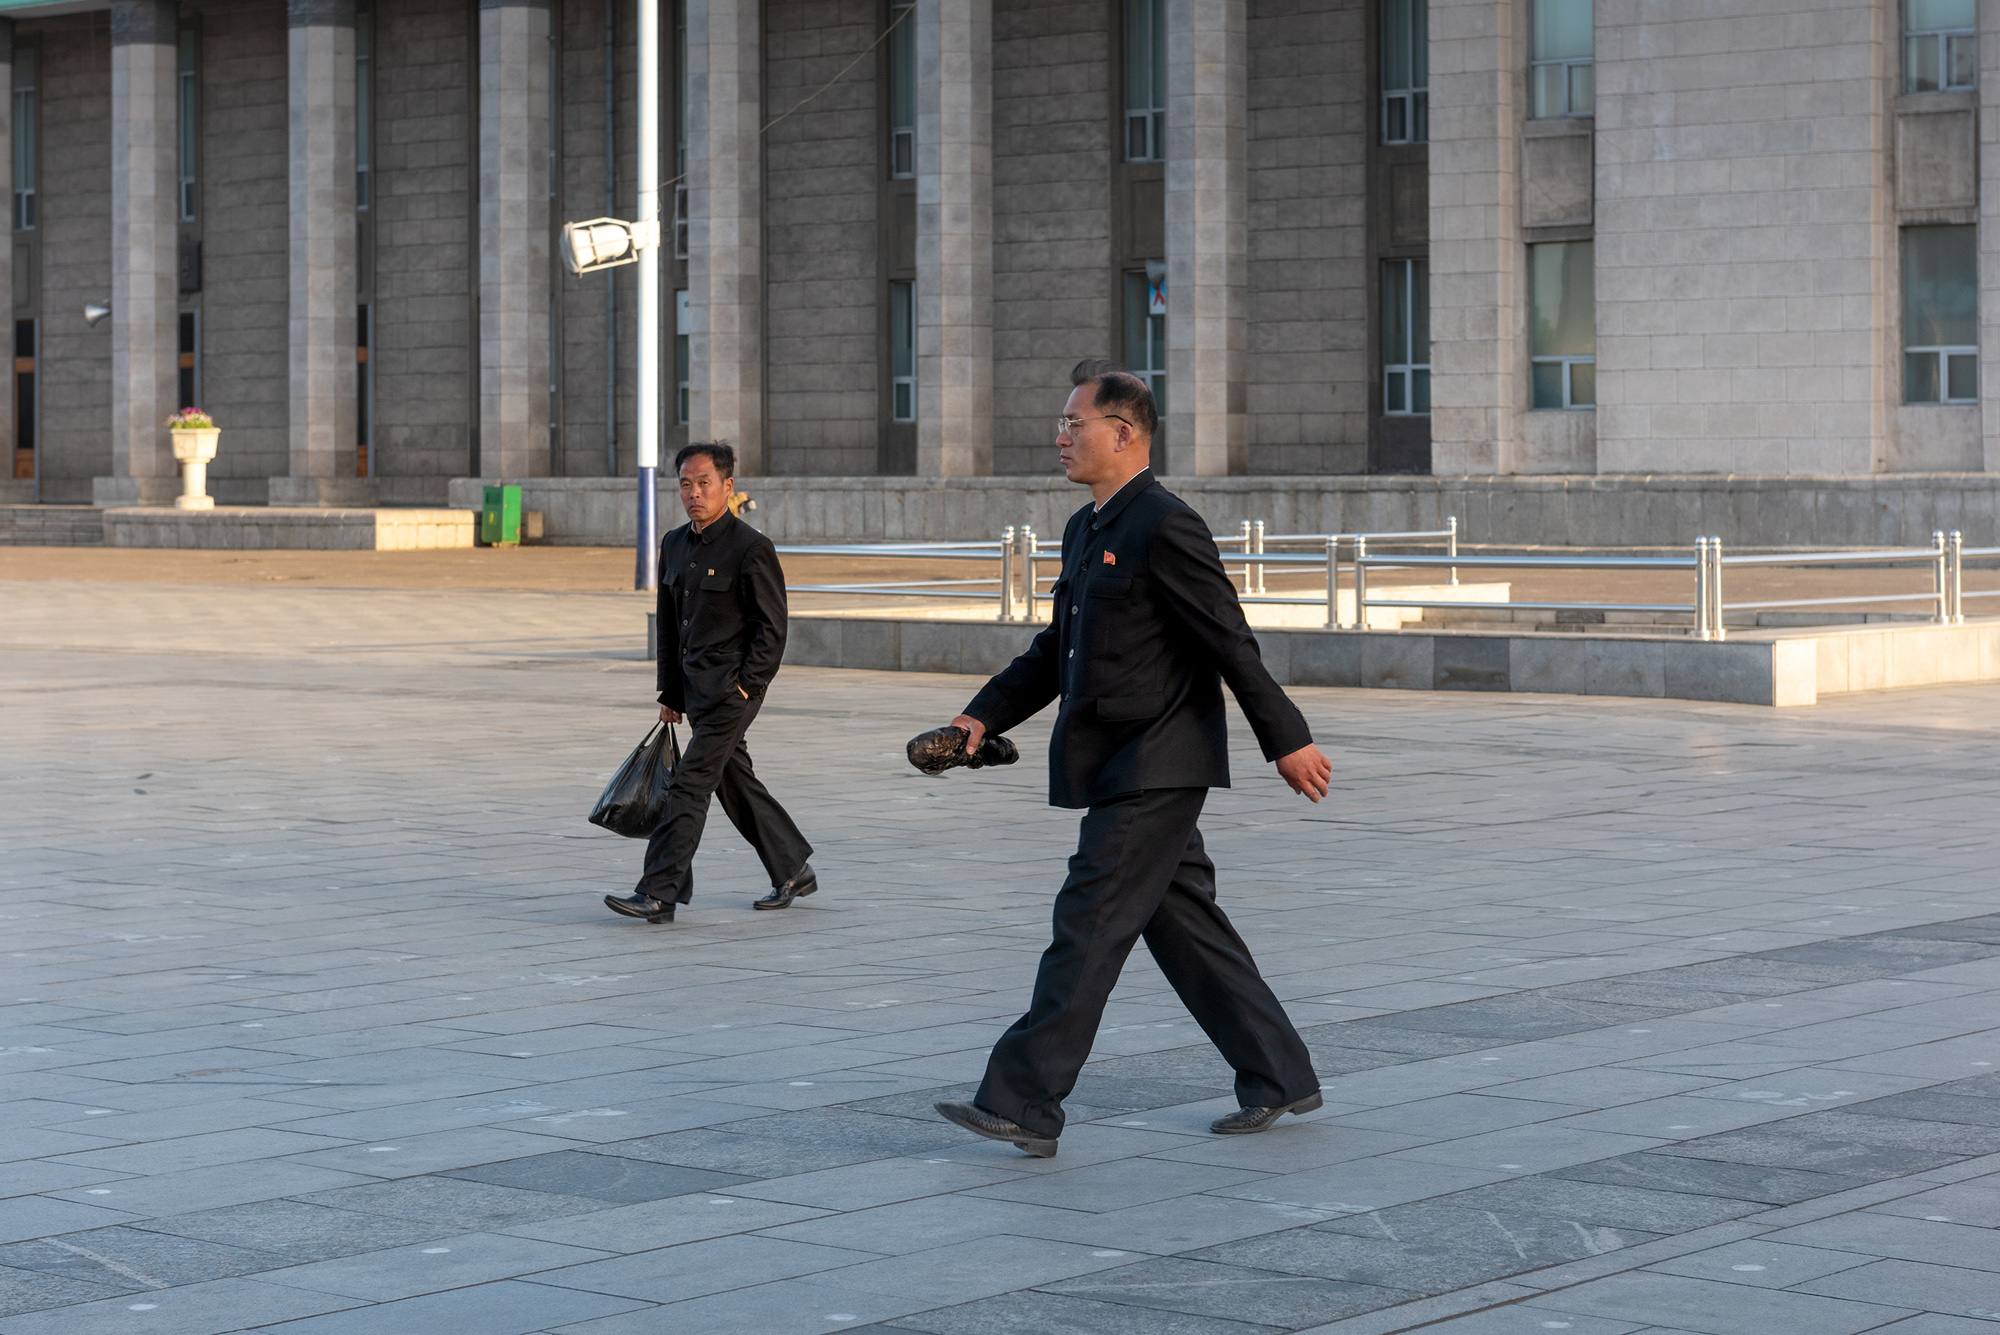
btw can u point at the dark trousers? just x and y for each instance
(1140, 870)
(717, 763)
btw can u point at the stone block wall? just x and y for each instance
(244, 210)
(73, 372)
(1055, 292)
(580, 195)
(425, 372)
(825, 299)
(1743, 236)
(1309, 129)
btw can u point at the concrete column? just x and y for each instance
(321, 333)
(725, 227)
(514, 292)
(1478, 324)
(955, 238)
(145, 258)
(1207, 229)
(1989, 243)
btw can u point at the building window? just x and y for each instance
(24, 399)
(1145, 80)
(190, 359)
(1562, 325)
(681, 353)
(364, 107)
(1146, 328)
(1561, 79)
(1940, 315)
(902, 352)
(1940, 47)
(26, 107)
(1405, 73)
(190, 121)
(1406, 337)
(364, 392)
(902, 92)
(682, 96)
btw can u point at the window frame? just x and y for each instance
(1565, 362)
(1566, 67)
(26, 135)
(364, 110)
(187, 120)
(1404, 117)
(901, 95)
(1939, 356)
(902, 350)
(1144, 118)
(683, 353)
(1405, 282)
(1145, 335)
(1943, 39)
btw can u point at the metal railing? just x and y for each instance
(1020, 585)
(1945, 556)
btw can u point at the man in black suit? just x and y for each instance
(1147, 628)
(722, 632)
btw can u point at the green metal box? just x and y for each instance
(500, 518)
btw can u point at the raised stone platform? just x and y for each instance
(51, 526)
(263, 528)
(1585, 511)
(1765, 667)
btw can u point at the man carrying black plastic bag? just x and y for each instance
(722, 632)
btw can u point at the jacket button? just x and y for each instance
(1072, 609)
(1072, 653)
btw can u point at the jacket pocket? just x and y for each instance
(717, 583)
(1125, 708)
(1110, 586)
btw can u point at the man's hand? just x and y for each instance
(669, 715)
(975, 732)
(1308, 771)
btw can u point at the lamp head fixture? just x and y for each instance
(606, 243)
(94, 312)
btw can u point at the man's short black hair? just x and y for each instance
(1119, 393)
(719, 452)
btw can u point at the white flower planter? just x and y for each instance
(194, 447)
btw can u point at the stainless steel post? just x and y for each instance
(1702, 630)
(1254, 575)
(1333, 583)
(1028, 565)
(1715, 588)
(1943, 614)
(1243, 537)
(1360, 584)
(1451, 545)
(1956, 587)
(1007, 573)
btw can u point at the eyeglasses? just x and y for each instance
(1072, 423)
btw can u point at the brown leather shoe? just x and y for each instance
(1249, 1121)
(995, 1127)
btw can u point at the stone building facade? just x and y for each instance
(1584, 238)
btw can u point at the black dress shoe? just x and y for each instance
(801, 885)
(1247, 1121)
(636, 905)
(995, 1127)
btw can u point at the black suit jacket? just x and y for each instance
(1147, 628)
(722, 614)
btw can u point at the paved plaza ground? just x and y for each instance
(1631, 1015)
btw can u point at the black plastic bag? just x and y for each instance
(635, 801)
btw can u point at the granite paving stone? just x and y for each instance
(1612, 999)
